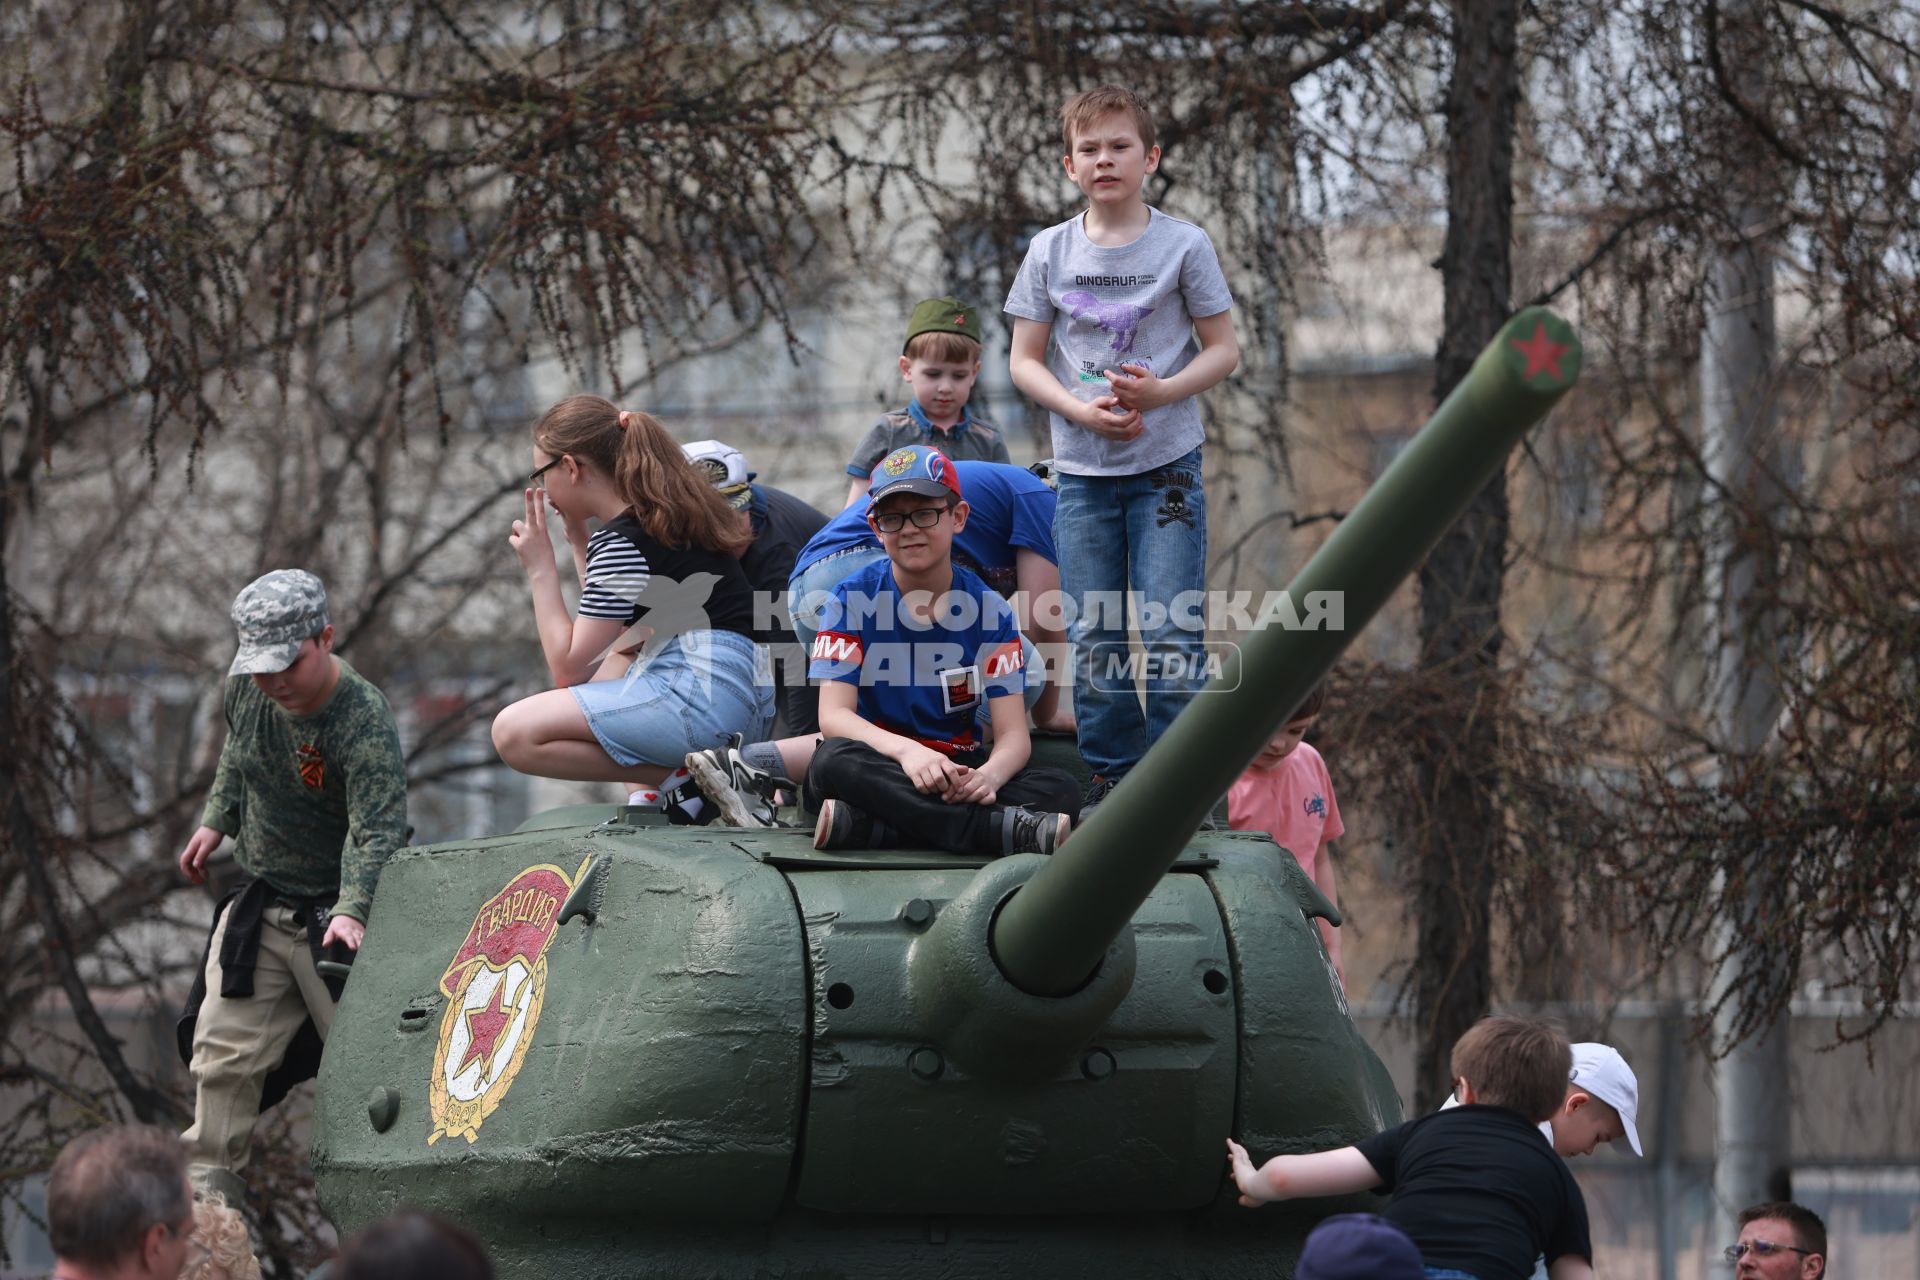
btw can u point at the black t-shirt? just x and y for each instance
(633, 576)
(782, 525)
(1480, 1190)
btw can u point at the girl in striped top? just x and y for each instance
(660, 660)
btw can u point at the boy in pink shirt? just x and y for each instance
(1288, 794)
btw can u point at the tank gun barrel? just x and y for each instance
(1052, 934)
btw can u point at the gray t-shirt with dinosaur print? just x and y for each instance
(1131, 304)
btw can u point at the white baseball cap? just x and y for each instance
(1599, 1070)
(725, 466)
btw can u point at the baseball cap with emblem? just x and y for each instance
(1599, 1070)
(725, 466)
(1359, 1246)
(915, 468)
(275, 614)
(943, 315)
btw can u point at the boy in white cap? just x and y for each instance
(313, 789)
(1602, 1103)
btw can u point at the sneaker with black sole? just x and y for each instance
(845, 826)
(1021, 830)
(745, 796)
(1097, 790)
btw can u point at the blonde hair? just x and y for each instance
(940, 347)
(224, 1233)
(673, 502)
(1522, 1064)
(1082, 110)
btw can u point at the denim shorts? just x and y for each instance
(699, 688)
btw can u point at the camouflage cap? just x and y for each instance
(943, 315)
(274, 614)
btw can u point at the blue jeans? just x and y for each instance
(1445, 1273)
(812, 588)
(1144, 534)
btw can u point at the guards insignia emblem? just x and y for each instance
(494, 987)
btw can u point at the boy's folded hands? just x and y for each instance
(1106, 416)
(1136, 388)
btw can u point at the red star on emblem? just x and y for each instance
(1542, 352)
(484, 1027)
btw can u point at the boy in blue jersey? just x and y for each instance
(910, 648)
(1007, 540)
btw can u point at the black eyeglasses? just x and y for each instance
(1762, 1249)
(924, 518)
(535, 480)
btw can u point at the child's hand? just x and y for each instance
(1136, 388)
(529, 538)
(973, 786)
(576, 532)
(1246, 1177)
(930, 772)
(1106, 416)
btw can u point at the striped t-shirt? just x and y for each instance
(631, 576)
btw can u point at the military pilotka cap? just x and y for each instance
(274, 614)
(725, 467)
(943, 315)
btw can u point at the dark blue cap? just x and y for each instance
(1359, 1246)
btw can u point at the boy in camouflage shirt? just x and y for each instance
(313, 788)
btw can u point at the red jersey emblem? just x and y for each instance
(313, 769)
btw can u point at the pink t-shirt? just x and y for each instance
(1292, 802)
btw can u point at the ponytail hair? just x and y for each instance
(673, 502)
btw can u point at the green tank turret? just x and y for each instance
(616, 1049)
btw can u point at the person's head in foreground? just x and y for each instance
(119, 1206)
(1358, 1246)
(223, 1250)
(412, 1246)
(1510, 1061)
(1779, 1240)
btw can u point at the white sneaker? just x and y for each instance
(744, 795)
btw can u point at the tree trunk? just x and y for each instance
(1741, 452)
(1460, 583)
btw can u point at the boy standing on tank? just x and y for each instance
(941, 362)
(912, 645)
(1478, 1188)
(1108, 309)
(1287, 793)
(313, 789)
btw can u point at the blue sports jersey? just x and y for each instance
(922, 681)
(1008, 508)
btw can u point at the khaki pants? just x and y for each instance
(237, 1042)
